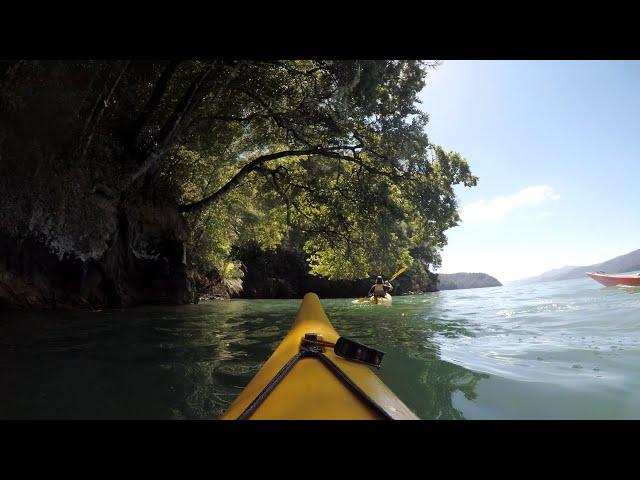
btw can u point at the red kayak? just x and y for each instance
(612, 280)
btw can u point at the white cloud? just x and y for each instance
(494, 210)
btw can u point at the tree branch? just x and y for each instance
(154, 101)
(170, 130)
(277, 118)
(101, 106)
(239, 176)
(256, 163)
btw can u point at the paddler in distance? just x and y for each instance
(380, 288)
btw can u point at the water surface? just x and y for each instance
(555, 350)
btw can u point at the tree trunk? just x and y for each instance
(153, 103)
(96, 113)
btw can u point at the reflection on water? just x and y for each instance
(553, 350)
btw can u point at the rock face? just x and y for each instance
(64, 242)
(143, 262)
(452, 281)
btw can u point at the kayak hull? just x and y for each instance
(613, 280)
(386, 300)
(310, 391)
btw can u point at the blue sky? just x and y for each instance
(556, 147)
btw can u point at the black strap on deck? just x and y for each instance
(312, 353)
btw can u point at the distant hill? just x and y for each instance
(453, 281)
(623, 263)
(545, 277)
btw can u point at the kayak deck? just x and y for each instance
(311, 390)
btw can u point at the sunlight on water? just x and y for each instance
(568, 349)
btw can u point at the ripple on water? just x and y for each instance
(266, 332)
(238, 368)
(568, 320)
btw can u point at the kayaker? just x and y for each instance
(380, 288)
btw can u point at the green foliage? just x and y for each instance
(245, 213)
(230, 272)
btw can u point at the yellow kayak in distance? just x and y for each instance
(296, 384)
(386, 300)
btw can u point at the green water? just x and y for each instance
(557, 350)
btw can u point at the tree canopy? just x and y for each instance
(335, 150)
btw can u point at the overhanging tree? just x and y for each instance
(105, 157)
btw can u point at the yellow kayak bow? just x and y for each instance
(321, 386)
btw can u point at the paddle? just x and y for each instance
(397, 274)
